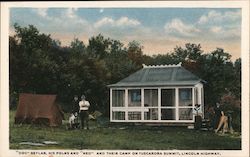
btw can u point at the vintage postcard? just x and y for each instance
(111, 78)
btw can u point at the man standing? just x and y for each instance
(84, 114)
(218, 115)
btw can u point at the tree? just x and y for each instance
(236, 88)
(35, 63)
(216, 68)
(135, 53)
(77, 46)
(98, 46)
(39, 64)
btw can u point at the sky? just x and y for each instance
(159, 30)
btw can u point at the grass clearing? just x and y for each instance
(115, 137)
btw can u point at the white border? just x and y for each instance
(244, 5)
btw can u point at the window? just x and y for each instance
(118, 97)
(186, 94)
(134, 115)
(168, 97)
(134, 96)
(150, 97)
(185, 97)
(119, 115)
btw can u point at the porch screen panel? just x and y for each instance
(118, 98)
(134, 97)
(118, 115)
(168, 114)
(186, 103)
(150, 97)
(151, 114)
(168, 97)
(185, 114)
(134, 115)
(185, 97)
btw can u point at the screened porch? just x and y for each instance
(162, 104)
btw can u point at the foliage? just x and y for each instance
(120, 138)
(232, 105)
(39, 64)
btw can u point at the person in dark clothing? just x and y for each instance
(217, 116)
(75, 106)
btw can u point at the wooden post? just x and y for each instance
(111, 104)
(126, 104)
(142, 104)
(177, 104)
(159, 104)
(193, 101)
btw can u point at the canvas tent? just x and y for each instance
(40, 109)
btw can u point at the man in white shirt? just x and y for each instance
(84, 114)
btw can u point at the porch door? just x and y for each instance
(186, 103)
(150, 104)
(168, 105)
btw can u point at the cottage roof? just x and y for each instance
(159, 75)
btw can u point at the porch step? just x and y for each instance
(205, 123)
(165, 124)
(201, 124)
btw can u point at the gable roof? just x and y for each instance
(162, 75)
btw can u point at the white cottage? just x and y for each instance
(162, 94)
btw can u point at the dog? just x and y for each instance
(73, 124)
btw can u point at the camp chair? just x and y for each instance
(95, 115)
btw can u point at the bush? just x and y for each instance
(232, 105)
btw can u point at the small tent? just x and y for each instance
(38, 109)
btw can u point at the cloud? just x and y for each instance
(125, 21)
(218, 17)
(215, 24)
(104, 21)
(211, 15)
(65, 20)
(203, 19)
(121, 22)
(225, 33)
(71, 13)
(42, 11)
(221, 25)
(179, 28)
(216, 29)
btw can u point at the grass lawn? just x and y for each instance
(125, 138)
